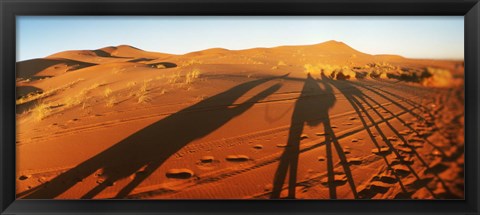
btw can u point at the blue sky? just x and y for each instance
(439, 37)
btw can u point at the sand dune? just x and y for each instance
(323, 121)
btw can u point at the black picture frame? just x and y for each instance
(9, 9)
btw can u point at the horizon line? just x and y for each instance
(258, 47)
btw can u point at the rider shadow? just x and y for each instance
(311, 108)
(150, 147)
(362, 103)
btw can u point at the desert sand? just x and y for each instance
(321, 121)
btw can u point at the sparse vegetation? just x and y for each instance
(95, 85)
(111, 101)
(330, 71)
(73, 101)
(41, 111)
(107, 92)
(45, 94)
(131, 84)
(144, 98)
(144, 87)
(173, 78)
(313, 70)
(191, 62)
(437, 77)
(142, 93)
(160, 77)
(191, 76)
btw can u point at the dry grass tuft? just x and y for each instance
(45, 94)
(172, 79)
(41, 111)
(437, 77)
(191, 62)
(191, 76)
(107, 92)
(111, 101)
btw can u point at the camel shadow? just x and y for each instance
(143, 152)
(362, 104)
(311, 108)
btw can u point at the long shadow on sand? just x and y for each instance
(146, 150)
(359, 100)
(312, 109)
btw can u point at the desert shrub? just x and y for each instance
(107, 92)
(44, 94)
(345, 73)
(144, 98)
(73, 101)
(144, 87)
(131, 84)
(438, 77)
(313, 70)
(111, 101)
(383, 75)
(191, 76)
(331, 71)
(172, 79)
(191, 62)
(41, 111)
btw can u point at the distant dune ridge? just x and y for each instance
(320, 121)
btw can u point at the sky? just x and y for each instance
(435, 37)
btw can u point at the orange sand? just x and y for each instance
(308, 122)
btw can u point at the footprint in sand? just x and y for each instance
(436, 153)
(401, 170)
(385, 179)
(237, 158)
(207, 159)
(182, 173)
(381, 151)
(24, 177)
(416, 139)
(405, 132)
(303, 136)
(372, 189)
(338, 179)
(258, 146)
(106, 182)
(282, 145)
(321, 134)
(348, 123)
(407, 161)
(405, 149)
(321, 158)
(417, 145)
(42, 179)
(354, 140)
(392, 138)
(352, 118)
(268, 187)
(354, 161)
